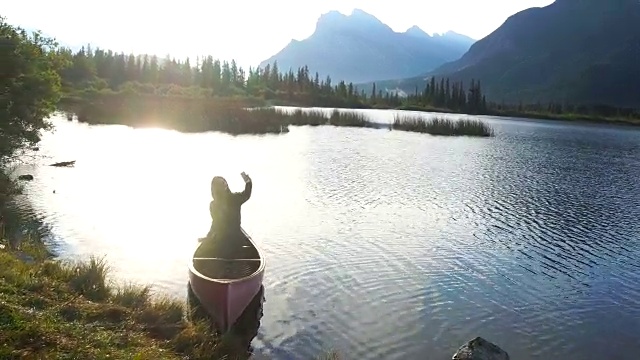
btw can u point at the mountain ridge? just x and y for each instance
(359, 47)
(587, 52)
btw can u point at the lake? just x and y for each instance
(379, 244)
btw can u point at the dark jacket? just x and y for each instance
(225, 212)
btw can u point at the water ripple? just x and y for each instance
(380, 244)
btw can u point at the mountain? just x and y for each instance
(578, 51)
(360, 48)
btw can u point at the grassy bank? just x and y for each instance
(51, 309)
(442, 126)
(62, 310)
(624, 120)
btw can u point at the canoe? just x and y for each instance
(226, 278)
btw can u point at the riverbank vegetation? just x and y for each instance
(51, 309)
(442, 126)
(299, 117)
(230, 116)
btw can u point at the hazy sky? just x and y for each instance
(247, 30)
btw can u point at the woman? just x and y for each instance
(225, 207)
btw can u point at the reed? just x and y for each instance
(442, 126)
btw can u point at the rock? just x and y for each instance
(480, 349)
(25, 177)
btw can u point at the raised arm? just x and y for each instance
(243, 196)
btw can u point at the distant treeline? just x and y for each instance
(106, 71)
(92, 71)
(450, 95)
(446, 95)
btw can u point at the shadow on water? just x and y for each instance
(20, 221)
(237, 341)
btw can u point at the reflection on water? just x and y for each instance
(378, 244)
(237, 341)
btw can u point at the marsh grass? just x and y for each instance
(299, 117)
(442, 126)
(240, 116)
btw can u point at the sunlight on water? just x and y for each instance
(380, 244)
(145, 193)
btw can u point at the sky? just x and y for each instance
(246, 30)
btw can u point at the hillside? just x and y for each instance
(360, 48)
(575, 51)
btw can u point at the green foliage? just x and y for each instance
(29, 87)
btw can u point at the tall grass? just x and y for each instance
(299, 117)
(442, 126)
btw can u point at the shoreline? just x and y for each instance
(59, 308)
(52, 307)
(61, 299)
(71, 102)
(48, 305)
(235, 118)
(571, 118)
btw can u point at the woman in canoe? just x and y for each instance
(225, 210)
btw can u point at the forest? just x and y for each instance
(97, 70)
(96, 73)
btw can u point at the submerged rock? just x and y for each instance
(25, 177)
(480, 349)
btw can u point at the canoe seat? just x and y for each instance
(227, 259)
(226, 269)
(221, 259)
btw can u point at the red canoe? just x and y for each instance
(225, 284)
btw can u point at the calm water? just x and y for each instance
(380, 244)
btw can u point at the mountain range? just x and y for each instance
(360, 48)
(575, 51)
